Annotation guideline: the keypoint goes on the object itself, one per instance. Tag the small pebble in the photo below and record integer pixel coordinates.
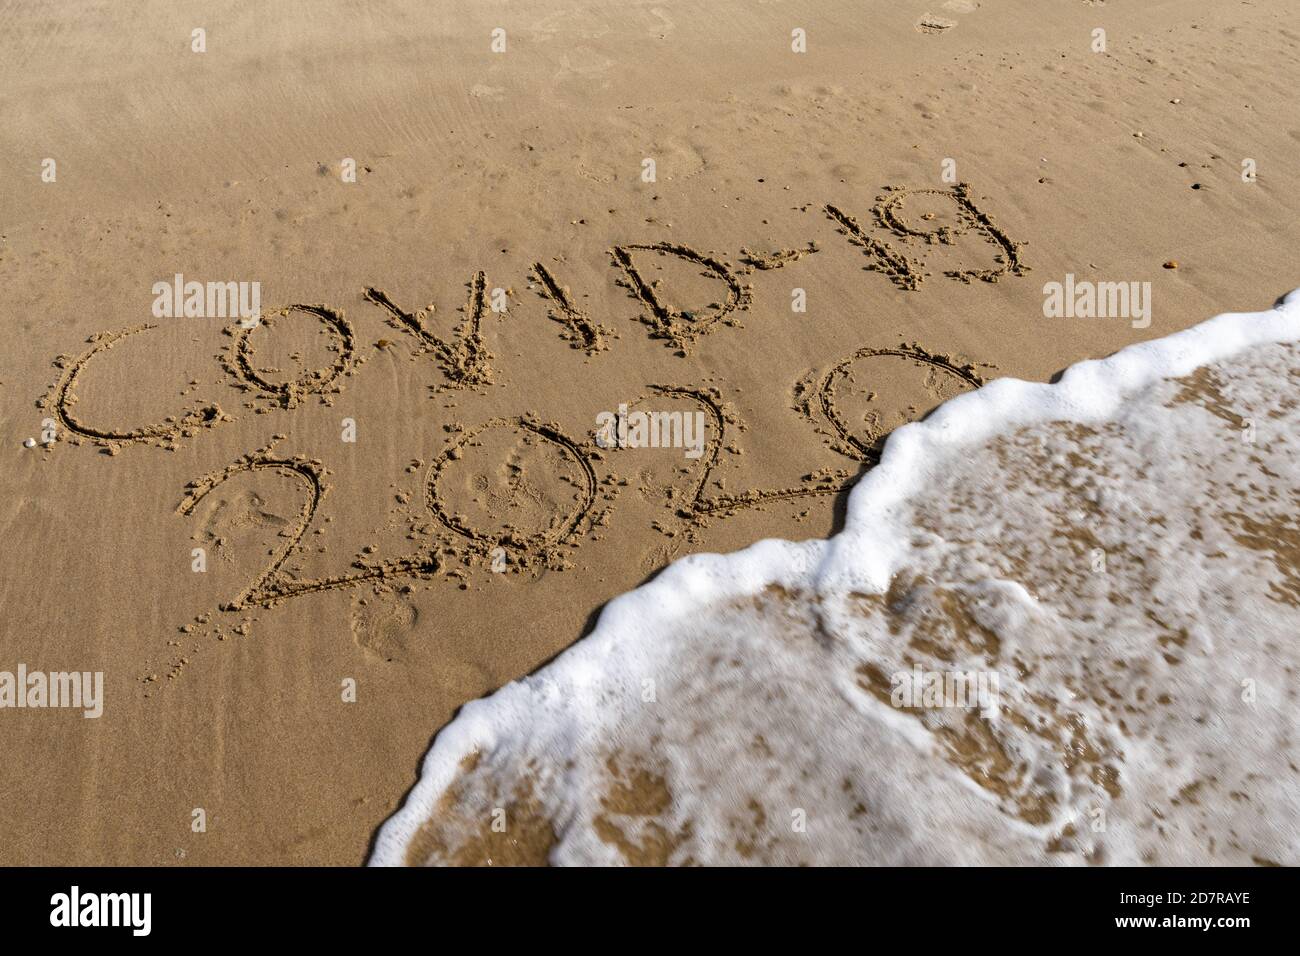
(1171, 264)
(30, 443)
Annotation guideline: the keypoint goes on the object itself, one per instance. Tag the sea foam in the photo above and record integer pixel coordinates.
(1116, 553)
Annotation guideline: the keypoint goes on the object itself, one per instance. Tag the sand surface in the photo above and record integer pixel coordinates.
(371, 561)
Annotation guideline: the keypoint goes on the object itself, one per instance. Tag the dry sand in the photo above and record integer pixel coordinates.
(371, 560)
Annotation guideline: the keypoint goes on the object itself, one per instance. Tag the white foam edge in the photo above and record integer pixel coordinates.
(861, 557)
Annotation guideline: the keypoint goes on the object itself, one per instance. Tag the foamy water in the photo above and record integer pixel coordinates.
(1113, 559)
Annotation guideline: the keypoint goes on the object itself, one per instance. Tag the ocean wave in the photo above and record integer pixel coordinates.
(1057, 628)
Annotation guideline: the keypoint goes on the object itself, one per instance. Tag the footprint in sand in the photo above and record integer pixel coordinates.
(233, 515)
(382, 626)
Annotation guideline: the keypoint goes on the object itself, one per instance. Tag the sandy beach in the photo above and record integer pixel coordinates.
(356, 357)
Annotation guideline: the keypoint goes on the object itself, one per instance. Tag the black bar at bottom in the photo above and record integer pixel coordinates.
(441, 906)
